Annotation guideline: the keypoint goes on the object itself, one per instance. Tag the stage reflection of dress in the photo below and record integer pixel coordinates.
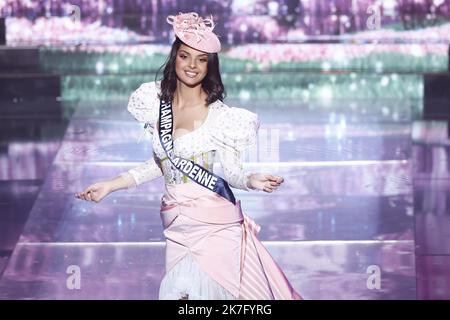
(211, 247)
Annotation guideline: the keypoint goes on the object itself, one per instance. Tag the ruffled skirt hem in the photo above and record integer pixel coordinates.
(186, 278)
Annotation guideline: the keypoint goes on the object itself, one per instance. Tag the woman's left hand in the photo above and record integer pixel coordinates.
(265, 182)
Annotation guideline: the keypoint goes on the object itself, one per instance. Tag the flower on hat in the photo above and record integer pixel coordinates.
(191, 23)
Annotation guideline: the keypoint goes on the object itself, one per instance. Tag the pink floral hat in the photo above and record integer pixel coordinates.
(195, 31)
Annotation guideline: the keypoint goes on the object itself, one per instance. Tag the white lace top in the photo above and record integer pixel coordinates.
(225, 133)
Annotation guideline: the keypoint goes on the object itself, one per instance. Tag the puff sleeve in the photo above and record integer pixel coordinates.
(237, 130)
(143, 106)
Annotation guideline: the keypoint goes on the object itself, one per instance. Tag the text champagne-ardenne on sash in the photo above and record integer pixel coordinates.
(194, 171)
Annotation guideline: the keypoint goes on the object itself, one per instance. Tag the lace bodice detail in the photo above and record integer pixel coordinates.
(222, 137)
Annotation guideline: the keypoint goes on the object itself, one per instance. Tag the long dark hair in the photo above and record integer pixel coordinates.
(212, 83)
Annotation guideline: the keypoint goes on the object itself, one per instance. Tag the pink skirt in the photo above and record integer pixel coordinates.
(212, 250)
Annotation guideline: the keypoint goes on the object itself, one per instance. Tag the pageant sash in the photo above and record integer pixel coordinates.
(194, 171)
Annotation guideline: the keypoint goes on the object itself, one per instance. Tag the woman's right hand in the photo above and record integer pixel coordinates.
(95, 192)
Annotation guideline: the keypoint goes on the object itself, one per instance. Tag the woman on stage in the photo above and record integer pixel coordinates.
(212, 249)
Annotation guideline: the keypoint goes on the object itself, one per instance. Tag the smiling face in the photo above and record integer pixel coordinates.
(191, 65)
